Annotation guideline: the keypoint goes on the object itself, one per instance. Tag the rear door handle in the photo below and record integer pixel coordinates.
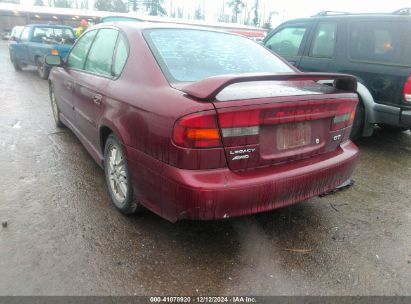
(97, 99)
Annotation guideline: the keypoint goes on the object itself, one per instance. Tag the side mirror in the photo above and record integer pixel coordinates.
(53, 60)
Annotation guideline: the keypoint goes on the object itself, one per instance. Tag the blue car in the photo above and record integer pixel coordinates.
(38, 40)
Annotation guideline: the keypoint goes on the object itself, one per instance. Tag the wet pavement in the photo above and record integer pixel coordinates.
(64, 237)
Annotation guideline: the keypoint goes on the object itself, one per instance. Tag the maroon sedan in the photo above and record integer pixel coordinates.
(200, 124)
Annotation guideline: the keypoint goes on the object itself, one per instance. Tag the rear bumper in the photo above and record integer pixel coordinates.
(405, 118)
(392, 115)
(220, 193)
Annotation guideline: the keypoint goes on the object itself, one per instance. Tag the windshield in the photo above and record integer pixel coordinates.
(53, 35)
(187, 55)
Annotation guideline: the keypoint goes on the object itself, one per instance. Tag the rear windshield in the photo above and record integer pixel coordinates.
(187, 55)
(381, 42)
(53, 35)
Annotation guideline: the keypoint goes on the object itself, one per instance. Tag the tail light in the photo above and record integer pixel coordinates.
(242, 127)
(199, 130)
(407, 90)
(344, 116)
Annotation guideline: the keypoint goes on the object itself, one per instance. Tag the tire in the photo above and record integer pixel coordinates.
(392, 129)
(42, 69)
(118, 178)
(16, 63)
(358, 124)
(55, 108)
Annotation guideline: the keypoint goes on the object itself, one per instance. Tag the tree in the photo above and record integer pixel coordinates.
(11, 1)
(198, 13)
(256, 18)
(111, 6)
(155, 7)
(103, 5)
(119, 6)
(267, 24)
(38, 3)
(236, 6)
(180, 12)
(62, 3)
(133, 4)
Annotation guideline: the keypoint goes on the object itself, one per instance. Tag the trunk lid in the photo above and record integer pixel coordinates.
(266, 122)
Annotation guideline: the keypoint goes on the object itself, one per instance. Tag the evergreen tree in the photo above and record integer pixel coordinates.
(62, 3)
(38, 3)
(103, 5)
(236, 6)
(111, 6)
(256, 17)
(133, 4)
(11, 1)
(155, 7)
(119, 6)
(198, 13)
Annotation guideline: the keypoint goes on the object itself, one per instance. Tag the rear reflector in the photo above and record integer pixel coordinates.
(244, 131)
(407, 90)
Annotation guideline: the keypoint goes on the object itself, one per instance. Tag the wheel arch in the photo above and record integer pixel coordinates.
(368, 102)
(106, 128)
(104, 133)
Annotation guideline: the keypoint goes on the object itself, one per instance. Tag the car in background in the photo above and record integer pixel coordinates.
(14, 36)
(201, 124)
(38, 40)
(5, 34)
(376, 48)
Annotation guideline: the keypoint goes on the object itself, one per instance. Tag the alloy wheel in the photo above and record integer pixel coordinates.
(117, 174)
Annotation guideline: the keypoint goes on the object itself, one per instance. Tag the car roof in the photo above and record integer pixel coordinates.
(382, 17)
(50, 25)
(140, 26)
(348, 16)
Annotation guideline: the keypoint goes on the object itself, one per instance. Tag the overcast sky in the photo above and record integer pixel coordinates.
(302, 8)
(288, 9)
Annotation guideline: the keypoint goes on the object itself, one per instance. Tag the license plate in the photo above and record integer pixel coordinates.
(293, 135)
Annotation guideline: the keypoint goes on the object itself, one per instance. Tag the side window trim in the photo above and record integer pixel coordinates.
(83, 70)
(307, 34)
(120, 34)
(72, 48)
(310, 43)
(28, 36)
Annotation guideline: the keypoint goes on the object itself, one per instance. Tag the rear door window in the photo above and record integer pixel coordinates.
(324, 40)
(381, 42)
(78, 54)
(120, 56)
(52, 35)
(25, 34)
(100, 57)
(287, 41)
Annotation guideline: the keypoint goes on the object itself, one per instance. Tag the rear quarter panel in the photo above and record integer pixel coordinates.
(141, 107)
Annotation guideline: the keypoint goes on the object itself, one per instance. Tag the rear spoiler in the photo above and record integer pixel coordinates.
(210, 87)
